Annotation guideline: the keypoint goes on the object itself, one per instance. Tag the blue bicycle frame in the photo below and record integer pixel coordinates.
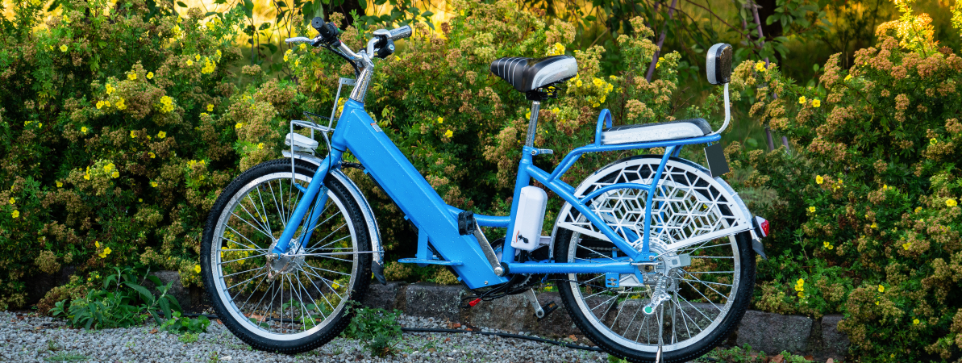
(437, 221)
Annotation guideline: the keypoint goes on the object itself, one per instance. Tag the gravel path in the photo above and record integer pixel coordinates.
(44, 339)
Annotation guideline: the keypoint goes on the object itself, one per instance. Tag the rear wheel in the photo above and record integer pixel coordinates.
(292, 307)
(703, 300)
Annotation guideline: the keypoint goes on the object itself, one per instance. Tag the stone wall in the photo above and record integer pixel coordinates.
(767, 332)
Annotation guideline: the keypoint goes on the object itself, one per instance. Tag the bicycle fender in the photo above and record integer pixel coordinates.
(369, 219)
(732, 197)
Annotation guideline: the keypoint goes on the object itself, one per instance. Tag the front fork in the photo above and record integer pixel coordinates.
(315, 189)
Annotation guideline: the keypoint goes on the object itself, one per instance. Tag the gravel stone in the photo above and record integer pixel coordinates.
(25, 338)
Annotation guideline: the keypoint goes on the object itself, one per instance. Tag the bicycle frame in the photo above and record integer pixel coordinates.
(437, 221)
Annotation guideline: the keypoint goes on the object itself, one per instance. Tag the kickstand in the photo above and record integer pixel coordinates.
(659, 357)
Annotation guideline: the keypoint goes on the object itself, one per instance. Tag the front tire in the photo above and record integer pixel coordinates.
(302, 306)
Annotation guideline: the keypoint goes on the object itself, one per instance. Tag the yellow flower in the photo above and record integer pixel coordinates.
(302, 46)
(153, 184)
(760, 66)
(906, 246)
(816, 103)
(286, 58)
(83, 129)
(238, 125)
(197, 57)
(802, 100)
(210, 107)
(848, 77)
(133, 135)
(578, 83)
(828, 245)
(97, 244)
(100, 104)
(448, 133)
(106, 103)
(161, 135)
(140, 200)
(59, 185)
(951, 203)
(440, 120)
(204, 114)
(811, 209)
(63, 48)
(874, 226)
(190, 62)
(150, 75)
(556, 49)
(260, 146)
(132, 76)
(15, 214)
(915, 321)
(918, 209)
(881, 288)
(108, 167)
(658, 63)
(819, 179)
(66, 19)
(555, 110)
(335, 285)
(110, 89)
(152, 155)
(197, 268)
(86, 176)
(933, 141)
(105, 252)
(115, 175)
(12, 201)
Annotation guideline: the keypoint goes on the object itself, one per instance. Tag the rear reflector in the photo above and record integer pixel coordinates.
(762, 224)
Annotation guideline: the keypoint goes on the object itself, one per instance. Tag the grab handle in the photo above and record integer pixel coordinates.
(604, 119)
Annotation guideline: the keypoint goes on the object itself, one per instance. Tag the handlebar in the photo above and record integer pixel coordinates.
(381, 46)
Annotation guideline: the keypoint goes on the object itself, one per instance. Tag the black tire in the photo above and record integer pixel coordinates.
(728, 324)
(258, 330)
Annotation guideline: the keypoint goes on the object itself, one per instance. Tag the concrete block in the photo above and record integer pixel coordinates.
(773, 333)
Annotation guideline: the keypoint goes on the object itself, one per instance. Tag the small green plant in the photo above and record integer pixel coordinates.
(188, 337)
(180, 325)
(376, 328)
(122, 302)
(66, 357)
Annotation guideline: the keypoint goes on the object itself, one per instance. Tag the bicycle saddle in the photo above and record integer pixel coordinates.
(670, 130)
(528, 74)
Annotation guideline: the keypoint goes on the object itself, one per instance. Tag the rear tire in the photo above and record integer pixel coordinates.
(706, 299)
(303, 307)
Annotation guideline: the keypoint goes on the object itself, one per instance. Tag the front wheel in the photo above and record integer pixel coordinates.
(699, 302)
(292, 307)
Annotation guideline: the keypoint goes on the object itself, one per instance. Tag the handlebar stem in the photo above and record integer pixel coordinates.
(364, 79)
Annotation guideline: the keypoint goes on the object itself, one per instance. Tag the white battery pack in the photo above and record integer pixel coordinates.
(530, 218)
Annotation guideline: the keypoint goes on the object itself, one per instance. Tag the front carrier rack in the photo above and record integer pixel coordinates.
(303, 145)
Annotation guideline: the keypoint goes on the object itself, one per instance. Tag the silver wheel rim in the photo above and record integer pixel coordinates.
(618, 314)
(307, 296)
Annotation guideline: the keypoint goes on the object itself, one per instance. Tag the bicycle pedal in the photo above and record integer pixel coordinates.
(548, 308)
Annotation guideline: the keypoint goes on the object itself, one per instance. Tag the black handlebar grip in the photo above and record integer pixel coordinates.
(317, 23)
(399, 33)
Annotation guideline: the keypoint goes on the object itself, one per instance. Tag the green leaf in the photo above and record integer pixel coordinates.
(144, 293)
(165, 307)
(181, 4)
(174, 302)
(265, 25)
(362, 3)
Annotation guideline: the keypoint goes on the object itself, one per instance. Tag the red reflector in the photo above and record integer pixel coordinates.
(474, 302)
(765, 227)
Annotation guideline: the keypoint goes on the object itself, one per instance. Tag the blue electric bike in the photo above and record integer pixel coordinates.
(653, 256)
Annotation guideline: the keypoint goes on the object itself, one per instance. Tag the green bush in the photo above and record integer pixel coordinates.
(377, 329)
(865, 209)
(121, 123)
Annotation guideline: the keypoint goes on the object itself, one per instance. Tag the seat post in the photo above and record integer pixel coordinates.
(533, 124)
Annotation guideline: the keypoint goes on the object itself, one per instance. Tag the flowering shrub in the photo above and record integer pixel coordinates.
(118, 131)
(866, 210)
(121, 123)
